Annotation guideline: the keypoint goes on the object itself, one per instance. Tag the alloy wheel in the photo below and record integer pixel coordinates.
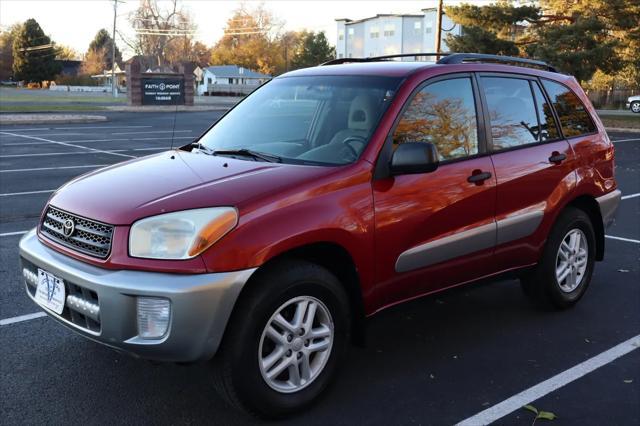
(571, 260)
(295, 344)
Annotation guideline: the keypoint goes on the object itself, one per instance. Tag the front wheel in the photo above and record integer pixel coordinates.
(564, 272)
(284, 341)
(635, 106)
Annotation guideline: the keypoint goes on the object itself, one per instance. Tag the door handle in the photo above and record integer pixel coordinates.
(478, 177)
(557, 158)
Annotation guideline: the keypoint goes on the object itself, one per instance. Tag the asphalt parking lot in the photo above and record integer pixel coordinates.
(438, 360)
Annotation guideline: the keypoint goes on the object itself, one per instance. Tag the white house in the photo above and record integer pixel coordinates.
(228, 75)
(389, 34)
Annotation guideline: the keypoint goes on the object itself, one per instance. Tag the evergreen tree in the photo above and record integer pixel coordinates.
(34, 54)
(314, 49)
(102, 45)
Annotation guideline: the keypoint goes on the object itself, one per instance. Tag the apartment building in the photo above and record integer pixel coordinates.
(389, 34)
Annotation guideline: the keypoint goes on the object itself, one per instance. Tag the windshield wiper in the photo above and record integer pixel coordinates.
(203, 148)
(244, 152)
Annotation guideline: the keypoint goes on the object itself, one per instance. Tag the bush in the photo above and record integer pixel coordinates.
(77, 80)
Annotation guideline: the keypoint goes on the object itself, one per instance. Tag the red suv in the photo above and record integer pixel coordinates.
(327, 195)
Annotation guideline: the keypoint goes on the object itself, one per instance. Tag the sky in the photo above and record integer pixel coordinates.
(74, 23)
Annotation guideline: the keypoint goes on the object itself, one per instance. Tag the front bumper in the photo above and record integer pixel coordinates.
(201, 304)
(609, 206)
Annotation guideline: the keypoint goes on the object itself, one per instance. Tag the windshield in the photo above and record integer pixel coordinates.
(325, 120)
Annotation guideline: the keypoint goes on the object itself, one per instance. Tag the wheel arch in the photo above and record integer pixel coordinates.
(589, 205)
(339, 262)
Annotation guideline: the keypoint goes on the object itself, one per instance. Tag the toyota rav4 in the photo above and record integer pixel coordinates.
(327, 195)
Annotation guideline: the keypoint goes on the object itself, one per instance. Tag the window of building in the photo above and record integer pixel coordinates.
(341, 35)
(428, 28)
(209, 80)
(444, 114)
(340, 56)
(350, 32)
(389, 30)
(512, 112)
(573, 116)
(417, 27)
(374, 32)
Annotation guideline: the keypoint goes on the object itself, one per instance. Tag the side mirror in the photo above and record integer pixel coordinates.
(414, 157)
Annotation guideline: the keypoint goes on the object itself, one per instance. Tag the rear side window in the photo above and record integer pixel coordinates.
(548, 128)
(573, 116)
(444, 114)
(512, 112)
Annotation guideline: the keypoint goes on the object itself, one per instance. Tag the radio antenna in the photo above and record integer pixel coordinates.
(173, 130)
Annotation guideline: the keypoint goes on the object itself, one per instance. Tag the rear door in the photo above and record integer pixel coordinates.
(436, 229)
(534, 165)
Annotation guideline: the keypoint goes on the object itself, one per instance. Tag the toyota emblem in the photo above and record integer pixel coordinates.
(68, 227)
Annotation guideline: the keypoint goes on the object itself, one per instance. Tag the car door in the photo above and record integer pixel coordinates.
(437, 229)
(534, 165)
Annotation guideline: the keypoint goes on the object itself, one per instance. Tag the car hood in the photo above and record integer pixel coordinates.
(174, 180)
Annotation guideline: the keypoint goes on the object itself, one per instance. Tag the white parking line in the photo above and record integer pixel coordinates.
(111, 151)
(10, 194)
(626, 197)
(624, 140)
(10, 234)
(102, 140)
(40, 169)
(628, 240)
(78, 127)
(153, 131)
(67, 144)
(525, 397)
(21, 318)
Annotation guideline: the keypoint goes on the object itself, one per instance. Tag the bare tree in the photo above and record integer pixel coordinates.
(162, 33)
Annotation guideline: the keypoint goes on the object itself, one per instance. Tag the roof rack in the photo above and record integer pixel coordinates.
(381, 58)
(460, 58)
(451, 58)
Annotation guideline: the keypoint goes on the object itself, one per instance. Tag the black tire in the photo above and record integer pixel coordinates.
(635, 104)
(236, 371)
(541, 284)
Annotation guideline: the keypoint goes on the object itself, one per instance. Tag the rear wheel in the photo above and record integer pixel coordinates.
(635, 106)
(284, 341)
(564, 272)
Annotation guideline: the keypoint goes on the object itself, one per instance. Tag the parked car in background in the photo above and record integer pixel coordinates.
(633, 103)
(326, 196)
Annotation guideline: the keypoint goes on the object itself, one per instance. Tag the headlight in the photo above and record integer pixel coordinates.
(180, 235)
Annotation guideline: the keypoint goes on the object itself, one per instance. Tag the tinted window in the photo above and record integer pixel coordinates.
(444, 114)
(548, 128)
(573, 116)
(511, 110)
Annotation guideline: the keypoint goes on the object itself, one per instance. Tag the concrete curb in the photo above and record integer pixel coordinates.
(622, 129)
(49, 118)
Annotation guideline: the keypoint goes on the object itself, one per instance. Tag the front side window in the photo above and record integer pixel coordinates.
(442, 113)
(573, 116)
(306, 120)
(512, 112)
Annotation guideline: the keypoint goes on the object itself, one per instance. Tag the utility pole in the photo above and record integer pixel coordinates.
(439, 28)
(114, 88)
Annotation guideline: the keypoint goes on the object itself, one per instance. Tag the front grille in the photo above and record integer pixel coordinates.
(89, 237)
(82, 306)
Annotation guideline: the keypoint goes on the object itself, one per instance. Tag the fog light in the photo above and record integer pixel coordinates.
(153, 317)
(30, 277)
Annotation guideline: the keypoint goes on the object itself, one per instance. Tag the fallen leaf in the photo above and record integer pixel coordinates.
(531, 408)
(546, 415)
(623, 270)
(628, 381)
